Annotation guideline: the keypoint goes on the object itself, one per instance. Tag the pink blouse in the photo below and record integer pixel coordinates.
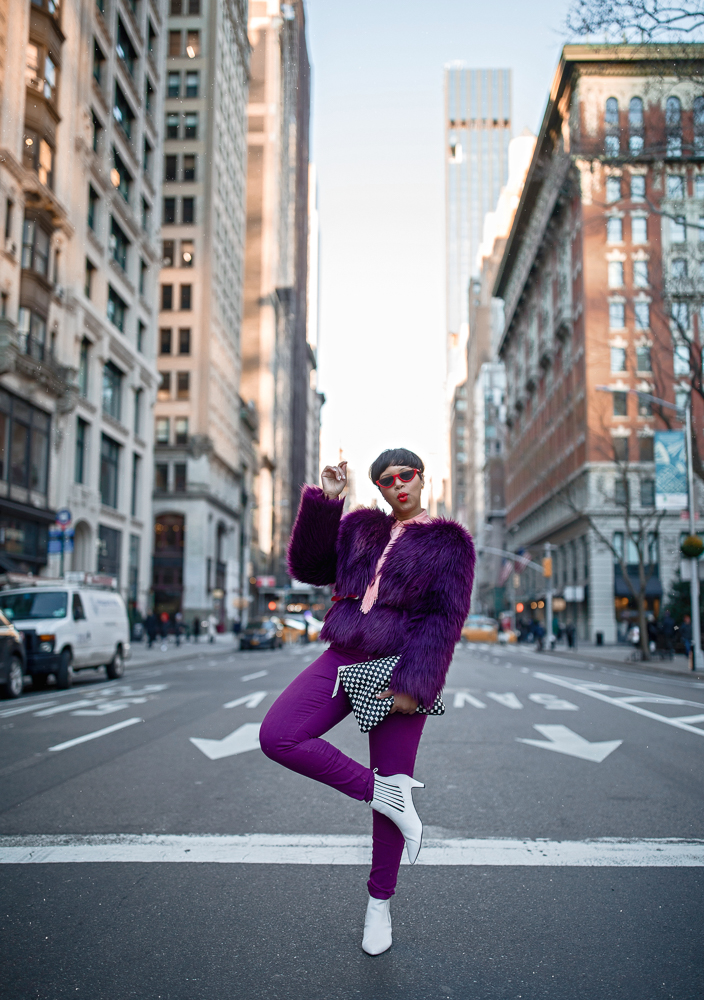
(372, 593)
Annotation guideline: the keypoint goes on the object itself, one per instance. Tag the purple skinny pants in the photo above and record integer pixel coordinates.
(290, 735)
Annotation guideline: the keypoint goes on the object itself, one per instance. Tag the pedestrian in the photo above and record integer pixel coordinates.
(686, 634)
(667, 625)
(196, 628)
(152, 627)
(403, 587)
(164, 629)
(570, 632)
(178, 621)
(212, 622)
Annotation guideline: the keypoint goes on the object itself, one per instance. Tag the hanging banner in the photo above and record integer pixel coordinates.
(670, 470)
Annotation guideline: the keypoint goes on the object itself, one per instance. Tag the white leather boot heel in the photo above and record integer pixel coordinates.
(377, 926)
(393, 797)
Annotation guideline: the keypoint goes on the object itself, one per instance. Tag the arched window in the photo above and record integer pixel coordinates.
(635, 126)
(612, 141)
(673, 123)
(698, 108)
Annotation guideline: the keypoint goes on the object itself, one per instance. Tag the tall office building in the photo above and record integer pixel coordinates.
(204, 450)
(278, 361)
(477, 134)
(79, 185)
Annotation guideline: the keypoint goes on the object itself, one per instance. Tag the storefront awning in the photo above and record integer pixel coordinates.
(653, 587)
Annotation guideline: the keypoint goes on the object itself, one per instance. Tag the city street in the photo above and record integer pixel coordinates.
(563, 852)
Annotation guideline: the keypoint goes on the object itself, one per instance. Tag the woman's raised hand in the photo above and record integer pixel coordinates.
(334, 479)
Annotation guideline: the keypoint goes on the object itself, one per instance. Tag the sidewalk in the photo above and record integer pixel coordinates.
(142, 655)
(618, 655)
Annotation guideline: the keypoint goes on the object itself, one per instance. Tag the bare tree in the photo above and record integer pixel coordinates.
(637, 20)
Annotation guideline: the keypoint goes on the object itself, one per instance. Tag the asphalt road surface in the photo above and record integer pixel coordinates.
(150, 850)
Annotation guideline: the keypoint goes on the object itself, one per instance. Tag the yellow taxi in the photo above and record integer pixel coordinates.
(479, 628)
(294, 628)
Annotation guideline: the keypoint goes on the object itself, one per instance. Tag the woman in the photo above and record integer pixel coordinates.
(403, 585)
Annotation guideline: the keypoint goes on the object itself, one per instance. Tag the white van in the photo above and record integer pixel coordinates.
(69, 627)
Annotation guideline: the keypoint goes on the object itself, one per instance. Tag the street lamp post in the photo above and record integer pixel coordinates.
(547, 575)
(694, 575)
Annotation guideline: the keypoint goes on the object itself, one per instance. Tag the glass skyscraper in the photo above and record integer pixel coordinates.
(477, 134)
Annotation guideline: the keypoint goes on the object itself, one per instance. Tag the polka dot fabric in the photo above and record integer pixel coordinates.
(363, 681)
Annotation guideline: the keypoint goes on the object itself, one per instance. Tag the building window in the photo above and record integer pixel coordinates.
(641, 311)
(119, 244)
(170, 167)
(698, 109)
(635, 126)
(192, 83)
(35, 248)
(680, 314)
(97, 128)
(180, 477)
(188, 211)
(192, 44)
(161, 477)
(167, 297)
(167, 253)
(143, 273)
(680, 359)
(112, 390)
(621, 492)
(646, 451)
(184, 341)
(678, 269)
(638, 187)
(675, 186)
(148, 96)
(162, 430)
(31, 330)
(620, 445)
(92, 208)
(24, 435)
(173, 87)
(164, 390)
(137, 422)
(183, 385)
(678, 230)
(643, 363)
(191, 125)
(38, 156)
(615, 274)
(611, 140)
(647, 492)
(165, 341)
(151, 38)
(187, 252)
(185, 297)
(181, 430)
(122, 111)
(109, 546)
(83, 367)
(125, 48)
(169, 217)
(174, 43)
(618, 359)
(133, 576)
(80, 459)
(141, 328)
(620, 401)
(640, 273)
(88, 287)
(614, 230)
(617, 315)
(613, 189)
(9, 212)
(612, 145)
(194, 8)
(117, 309)
(136, 461)
(98, 63)
(173, 121)
(673, 124)
(639, 229)
(189, 167)
(146, 214)
(109, 470)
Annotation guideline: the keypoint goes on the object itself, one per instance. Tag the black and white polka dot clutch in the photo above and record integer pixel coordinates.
(363, 681)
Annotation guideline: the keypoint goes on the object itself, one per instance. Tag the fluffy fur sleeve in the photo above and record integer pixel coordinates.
(433, 632)
(312, 554)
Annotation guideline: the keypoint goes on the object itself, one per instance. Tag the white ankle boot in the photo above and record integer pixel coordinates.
(393, 797)
(377, 926)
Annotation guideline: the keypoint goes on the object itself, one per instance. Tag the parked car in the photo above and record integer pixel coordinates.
(12, 659)
(263, 633)
(68, 628)
(479, 628)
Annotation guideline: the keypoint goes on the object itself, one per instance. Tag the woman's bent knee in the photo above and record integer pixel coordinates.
(274, 741)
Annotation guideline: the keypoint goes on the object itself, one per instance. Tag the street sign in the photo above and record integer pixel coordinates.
(670, 470)
(63, 516)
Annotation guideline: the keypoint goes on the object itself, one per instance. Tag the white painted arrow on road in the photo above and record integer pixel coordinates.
(563, 740)
(250, 700)
(243, 739)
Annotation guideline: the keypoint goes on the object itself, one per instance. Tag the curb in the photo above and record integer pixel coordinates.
(634, 666)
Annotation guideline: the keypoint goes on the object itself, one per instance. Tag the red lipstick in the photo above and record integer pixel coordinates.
(402, 497)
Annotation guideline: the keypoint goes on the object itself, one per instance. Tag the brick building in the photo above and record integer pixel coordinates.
(604, 249)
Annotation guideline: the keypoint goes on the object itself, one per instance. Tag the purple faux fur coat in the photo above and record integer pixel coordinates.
(424, 592)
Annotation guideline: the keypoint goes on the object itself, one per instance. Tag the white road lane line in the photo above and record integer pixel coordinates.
(253, 677)
(589, 689)
(96, 735)
(45, 712)
(24, 708)
(463, 698)
(273, 849)
(509, 700)
(250, 700)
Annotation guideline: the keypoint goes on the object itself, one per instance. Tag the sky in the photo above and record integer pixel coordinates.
(377, 142)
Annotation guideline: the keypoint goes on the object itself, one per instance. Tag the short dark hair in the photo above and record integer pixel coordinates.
(395, 456)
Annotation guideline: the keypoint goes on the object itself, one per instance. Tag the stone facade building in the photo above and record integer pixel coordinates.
(608, 218)
(204, 432)
(81, 96)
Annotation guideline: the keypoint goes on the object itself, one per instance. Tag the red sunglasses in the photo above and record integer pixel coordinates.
(407, 476)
